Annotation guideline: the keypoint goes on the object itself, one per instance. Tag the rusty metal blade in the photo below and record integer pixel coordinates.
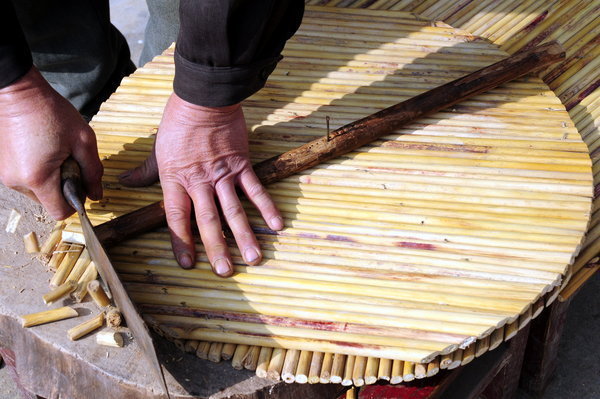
(138, 328)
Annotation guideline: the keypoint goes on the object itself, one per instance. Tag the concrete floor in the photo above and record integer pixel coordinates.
(578, 372)
(130, 17)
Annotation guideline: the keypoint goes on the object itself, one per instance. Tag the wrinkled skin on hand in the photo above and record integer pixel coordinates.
(202, 156)
(39, 129)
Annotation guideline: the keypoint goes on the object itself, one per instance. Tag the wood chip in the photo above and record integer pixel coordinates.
(13, 221)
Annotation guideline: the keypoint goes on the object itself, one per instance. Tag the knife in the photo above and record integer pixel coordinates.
(73, 193)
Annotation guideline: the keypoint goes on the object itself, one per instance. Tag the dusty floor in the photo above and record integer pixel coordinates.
(578, 372)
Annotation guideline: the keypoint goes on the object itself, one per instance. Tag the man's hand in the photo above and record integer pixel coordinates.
(202, 155)
(39, 129)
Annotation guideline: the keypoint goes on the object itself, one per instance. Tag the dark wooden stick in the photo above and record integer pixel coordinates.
(129, 225)
(356, 134)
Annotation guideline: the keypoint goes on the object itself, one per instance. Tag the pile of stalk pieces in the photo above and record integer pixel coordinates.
(75, 276)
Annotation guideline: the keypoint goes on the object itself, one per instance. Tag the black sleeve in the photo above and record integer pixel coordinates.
(226, 49)
(15, 57)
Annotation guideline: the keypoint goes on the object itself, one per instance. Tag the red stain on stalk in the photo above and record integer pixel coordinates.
(415, 245)
(334, 237)
(536, 21)
(308, 235)
(478, 149)
(580, 96)
(355, 345)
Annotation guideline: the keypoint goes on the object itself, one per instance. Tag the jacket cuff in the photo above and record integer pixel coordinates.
(219, 86)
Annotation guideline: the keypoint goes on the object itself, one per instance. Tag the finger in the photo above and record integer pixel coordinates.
(51, 197)
(261, 199)
(211, 233)
(86, 155)
(144, 175)
(177, 208)
(238, 222)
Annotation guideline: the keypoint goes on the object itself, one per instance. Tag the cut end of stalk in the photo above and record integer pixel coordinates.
(110, 338)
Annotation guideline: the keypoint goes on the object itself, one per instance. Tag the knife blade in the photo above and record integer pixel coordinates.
(73, 193)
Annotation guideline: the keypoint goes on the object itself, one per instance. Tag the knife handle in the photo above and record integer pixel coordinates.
(70, 181)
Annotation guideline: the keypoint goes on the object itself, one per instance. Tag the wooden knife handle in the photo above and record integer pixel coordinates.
(72, 188)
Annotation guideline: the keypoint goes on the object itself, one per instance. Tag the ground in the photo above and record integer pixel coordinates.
(578, 372)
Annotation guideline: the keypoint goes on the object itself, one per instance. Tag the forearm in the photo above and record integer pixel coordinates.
(226, 50)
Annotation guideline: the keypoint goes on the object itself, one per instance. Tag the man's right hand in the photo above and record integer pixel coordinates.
(39, 129)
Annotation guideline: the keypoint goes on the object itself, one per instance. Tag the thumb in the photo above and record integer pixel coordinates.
(144, 175)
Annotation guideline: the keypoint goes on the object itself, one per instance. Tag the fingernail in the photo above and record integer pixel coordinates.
(250, 255)
(276, 223)
(222, 267)
(185, 261)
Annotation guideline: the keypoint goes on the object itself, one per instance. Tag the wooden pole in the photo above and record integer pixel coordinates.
(356, 134)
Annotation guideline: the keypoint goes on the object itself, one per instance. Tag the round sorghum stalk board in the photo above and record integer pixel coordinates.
(417, 252)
